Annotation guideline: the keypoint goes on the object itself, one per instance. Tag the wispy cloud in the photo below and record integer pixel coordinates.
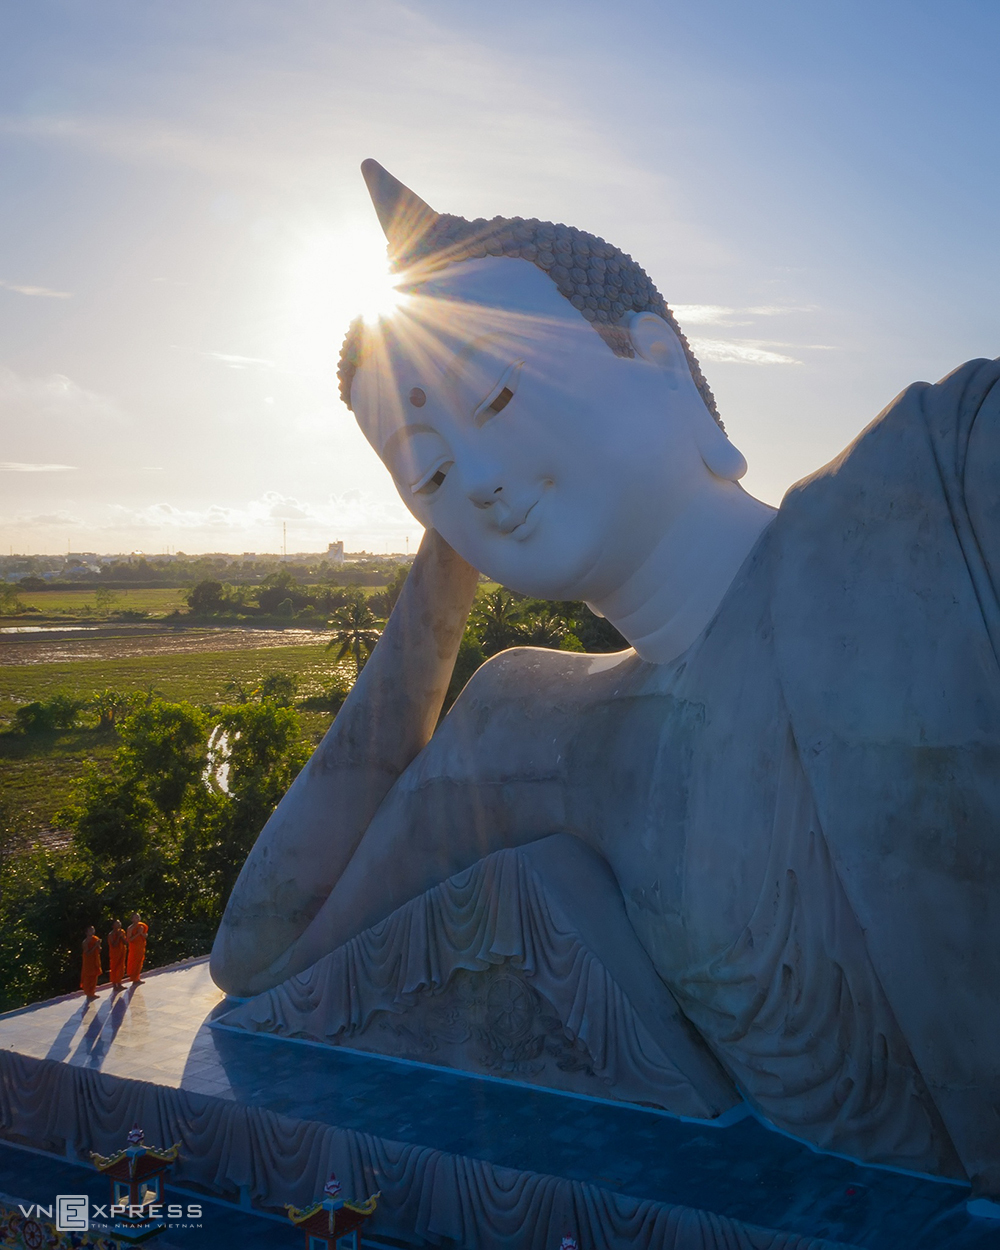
(239, 362)
(46, 520)
(729, 351)
(29, 398)
(43, 291)
(18, 466)
(722, 315)
(742, 351)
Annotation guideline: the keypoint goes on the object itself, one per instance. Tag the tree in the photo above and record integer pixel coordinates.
(356, 631)
(280, 688)
(166, 831)
(10, 599)
(163, 751)
(596, 633)
(105, 599)
(496, 621)
(544, 629)
(111, 706)
(281, 595)
(206, 598)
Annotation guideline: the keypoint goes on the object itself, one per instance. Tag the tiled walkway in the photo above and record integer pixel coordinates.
(160, 1032)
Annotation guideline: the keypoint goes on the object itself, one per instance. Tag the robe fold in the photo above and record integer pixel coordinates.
(91, 965)
(117, 955)
(136, 934)
(886, 610)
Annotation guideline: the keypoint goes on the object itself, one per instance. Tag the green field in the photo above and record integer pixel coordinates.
(82, 602)
(38, 770)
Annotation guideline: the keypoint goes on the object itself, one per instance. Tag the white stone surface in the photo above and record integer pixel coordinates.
(794, 778)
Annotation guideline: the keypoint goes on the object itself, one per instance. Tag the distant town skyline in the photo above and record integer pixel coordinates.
(184, 233)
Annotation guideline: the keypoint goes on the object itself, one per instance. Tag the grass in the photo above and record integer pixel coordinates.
(158, 601)
(39, 770)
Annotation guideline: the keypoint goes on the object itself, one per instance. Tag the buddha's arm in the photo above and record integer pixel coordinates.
(498, 773)
(387, 719)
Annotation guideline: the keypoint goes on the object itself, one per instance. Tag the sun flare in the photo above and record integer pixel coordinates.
(334, 276)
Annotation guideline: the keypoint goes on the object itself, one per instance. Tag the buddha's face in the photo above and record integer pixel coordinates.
(509, 426)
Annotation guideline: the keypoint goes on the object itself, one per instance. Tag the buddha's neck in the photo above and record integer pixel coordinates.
(667, 602)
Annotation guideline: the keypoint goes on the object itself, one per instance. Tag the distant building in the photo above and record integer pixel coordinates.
(335, 553)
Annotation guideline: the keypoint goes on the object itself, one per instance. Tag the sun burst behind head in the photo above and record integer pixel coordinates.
(332, 277)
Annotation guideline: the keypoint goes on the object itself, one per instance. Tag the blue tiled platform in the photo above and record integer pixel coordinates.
(162, 1032)
(29, 1177)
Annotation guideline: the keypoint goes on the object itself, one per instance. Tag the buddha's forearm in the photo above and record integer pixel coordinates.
(386, 720)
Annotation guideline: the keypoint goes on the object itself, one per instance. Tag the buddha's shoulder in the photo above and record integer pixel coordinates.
(543, 676)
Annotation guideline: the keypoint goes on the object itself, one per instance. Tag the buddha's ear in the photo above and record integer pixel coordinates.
(656, 341)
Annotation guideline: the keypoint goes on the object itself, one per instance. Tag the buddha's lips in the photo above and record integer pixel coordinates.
(525, 526)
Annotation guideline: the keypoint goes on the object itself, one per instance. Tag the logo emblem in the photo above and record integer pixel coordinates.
(72, 1213)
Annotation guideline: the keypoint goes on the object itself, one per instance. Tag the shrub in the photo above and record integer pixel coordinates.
(45, 716)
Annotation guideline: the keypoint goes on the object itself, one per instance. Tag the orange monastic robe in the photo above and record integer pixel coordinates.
(91, 965)
(136, 934)
(117, 954)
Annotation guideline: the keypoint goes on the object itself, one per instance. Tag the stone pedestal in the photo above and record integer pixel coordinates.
(459, 1160)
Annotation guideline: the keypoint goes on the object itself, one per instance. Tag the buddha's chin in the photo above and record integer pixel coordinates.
(539, 572)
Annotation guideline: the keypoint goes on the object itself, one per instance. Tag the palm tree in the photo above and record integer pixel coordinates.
(495, 619)
(355, 624)
(112, 706)
(545, 630)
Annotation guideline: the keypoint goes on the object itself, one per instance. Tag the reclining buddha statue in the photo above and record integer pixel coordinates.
(765, 839)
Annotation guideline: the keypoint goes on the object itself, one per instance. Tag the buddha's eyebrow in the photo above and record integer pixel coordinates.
(463, 357)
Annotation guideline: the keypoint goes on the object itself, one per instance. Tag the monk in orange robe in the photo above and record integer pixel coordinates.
(91, 963)
(136, 934)
(117, 955)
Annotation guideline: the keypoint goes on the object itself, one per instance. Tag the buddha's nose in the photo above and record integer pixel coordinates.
(486, 490)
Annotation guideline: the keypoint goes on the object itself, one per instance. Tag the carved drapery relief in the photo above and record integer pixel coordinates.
(795, 1010)
(484, 973)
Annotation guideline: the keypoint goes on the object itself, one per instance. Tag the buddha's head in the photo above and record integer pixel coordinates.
(532, 396)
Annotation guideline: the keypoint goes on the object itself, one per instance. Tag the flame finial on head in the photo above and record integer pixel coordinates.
(403, 216)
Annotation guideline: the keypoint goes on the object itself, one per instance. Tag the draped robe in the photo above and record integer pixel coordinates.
(136, 934)
(845, 964)
(802, 812)
(886, 609)
(117, 955)
(91, 969)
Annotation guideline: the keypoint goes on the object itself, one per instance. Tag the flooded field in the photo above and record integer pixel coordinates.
(61, 645)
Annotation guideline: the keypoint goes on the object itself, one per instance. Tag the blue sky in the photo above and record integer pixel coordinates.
(184, 232)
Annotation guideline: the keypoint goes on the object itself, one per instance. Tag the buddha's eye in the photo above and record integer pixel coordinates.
(431, 481)
(502, 400)
(500, 396)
